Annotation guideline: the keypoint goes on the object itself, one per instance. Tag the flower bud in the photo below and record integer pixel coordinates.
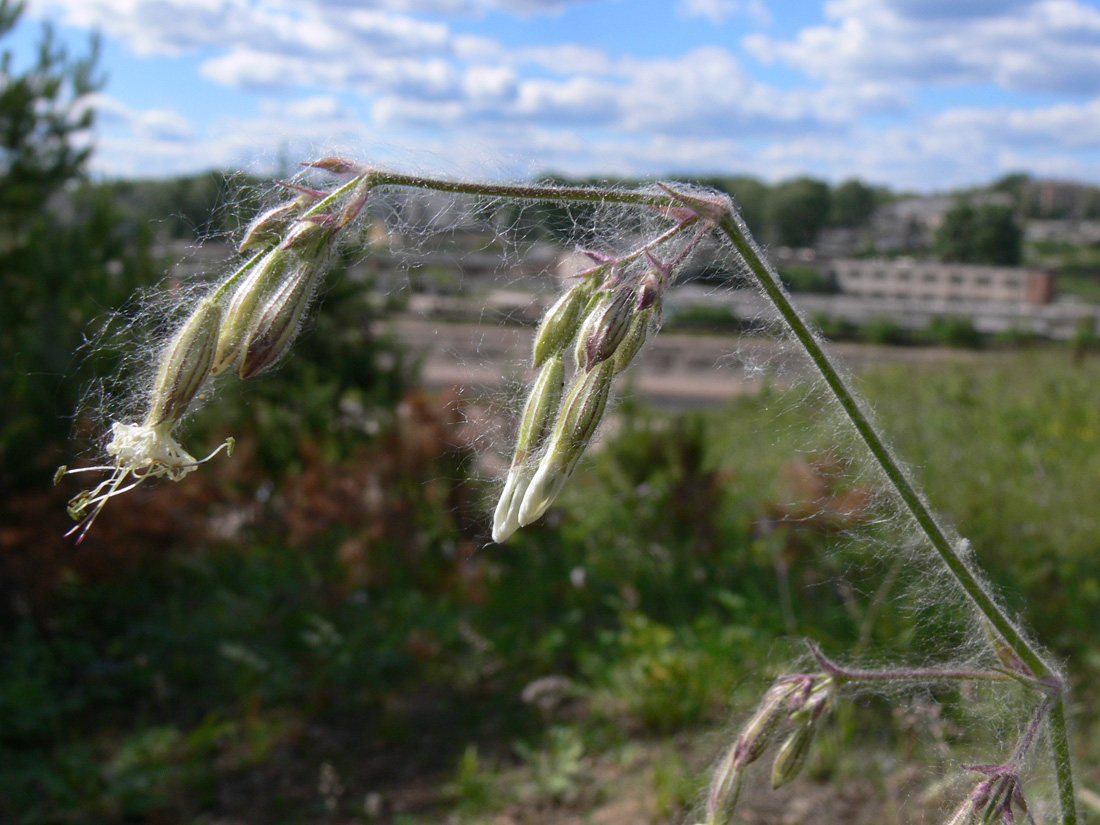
(990, 802)
(238, 316)
(580, 417)
(966, 814)
(337, 166)
(649, 290)
(559, 324)
(589, 316)
(184, 364)
(634, 340)
(538, 412)
(310, 229)
(506, 514)
(725, 788)
(609, 327)
(758, 731)
(355, 203)
(792, 754)
(816, 702)
(266, 228)
(538, 417)
(277, 322)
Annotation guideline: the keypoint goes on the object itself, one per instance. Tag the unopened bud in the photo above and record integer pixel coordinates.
(792, 754)
(634, 340)
(589, 315)
(310, 229)
(185, 364)
(991, 802)
(506, 515)
(267, 227)
(559, 324)
(609, 328)
(966, 814)
(711, 206)
(337, 166)
(580, 417)
(818, 701)
(355, 202)
(538, 412)
(758, 731)
(725, 788)
(237, 319)
(649, 291)
(277, 322)
(535, 424)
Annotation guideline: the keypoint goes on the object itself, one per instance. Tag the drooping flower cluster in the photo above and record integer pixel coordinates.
(993, 801)
(794, 706)
(601, 324)
(246, 321)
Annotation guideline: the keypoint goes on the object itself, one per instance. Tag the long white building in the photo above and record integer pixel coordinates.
(934, 281)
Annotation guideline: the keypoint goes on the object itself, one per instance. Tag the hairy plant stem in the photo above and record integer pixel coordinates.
(918, 675)
(729, 224)
(918, 508)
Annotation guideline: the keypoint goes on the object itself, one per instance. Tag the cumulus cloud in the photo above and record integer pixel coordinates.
(153, 124)
(367, 77)
(1040, 46)
(1064, 126)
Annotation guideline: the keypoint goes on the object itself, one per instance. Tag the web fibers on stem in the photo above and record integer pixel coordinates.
(637, 242)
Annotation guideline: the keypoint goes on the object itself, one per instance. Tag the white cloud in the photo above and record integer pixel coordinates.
(1041, 46)
(956, 147)
(367, 78)
(1064, 126)
(419, 72)
(162, 27)
(155, 124)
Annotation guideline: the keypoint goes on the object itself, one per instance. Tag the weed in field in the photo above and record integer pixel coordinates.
(598, 327)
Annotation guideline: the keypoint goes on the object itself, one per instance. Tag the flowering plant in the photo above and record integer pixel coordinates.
(589, 336)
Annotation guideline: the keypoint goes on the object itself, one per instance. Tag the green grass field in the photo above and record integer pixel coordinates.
(356, 653)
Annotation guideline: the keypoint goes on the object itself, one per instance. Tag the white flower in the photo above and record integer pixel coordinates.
(138, 452)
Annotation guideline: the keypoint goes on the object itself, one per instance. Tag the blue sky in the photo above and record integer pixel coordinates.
(915, 94)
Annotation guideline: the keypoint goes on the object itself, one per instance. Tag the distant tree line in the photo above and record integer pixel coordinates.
(794, 212)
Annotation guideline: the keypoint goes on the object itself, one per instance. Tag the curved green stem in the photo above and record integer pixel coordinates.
(729, 224)
(915, 504)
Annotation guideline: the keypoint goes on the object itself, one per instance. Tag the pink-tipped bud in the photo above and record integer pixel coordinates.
(267, 227)
(813, 704)
(310, 229)
(711, 206)
(559, 324)
(589, 315)
(338, 166)
(184, 364)
(649, 291)
(759, 730)
(358, 199)
(277, 322)
(609, 328)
